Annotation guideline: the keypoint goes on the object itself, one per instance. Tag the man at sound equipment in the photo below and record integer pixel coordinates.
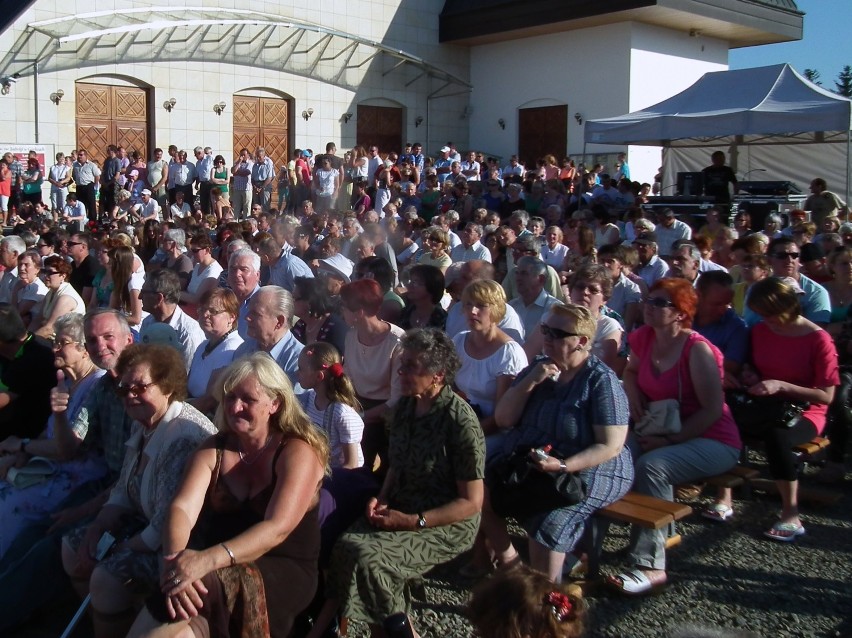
(717, 176)
(823, 202)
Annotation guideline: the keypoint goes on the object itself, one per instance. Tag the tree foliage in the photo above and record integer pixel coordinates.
(812, 75)
(844, 82)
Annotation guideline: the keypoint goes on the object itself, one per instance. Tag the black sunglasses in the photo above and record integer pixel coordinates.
(659, 302)
(550, 332)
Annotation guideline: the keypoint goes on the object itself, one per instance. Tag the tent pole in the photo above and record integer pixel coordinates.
(848, 171)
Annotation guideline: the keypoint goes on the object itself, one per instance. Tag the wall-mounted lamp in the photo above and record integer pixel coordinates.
(170, 104)
(6, 83)
(347, 117)
(306, 114)
(418, 121)
(218, 108)
(501, 123)
(694, 33)
(57, 96)
(579, 118)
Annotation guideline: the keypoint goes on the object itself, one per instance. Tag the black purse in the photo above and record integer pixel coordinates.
(519, 490)
(755, 416)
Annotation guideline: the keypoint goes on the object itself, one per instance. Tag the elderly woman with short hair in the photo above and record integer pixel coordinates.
(205, 273)
(165, 432)
(60, 299)
(427, 511)
(174, 245)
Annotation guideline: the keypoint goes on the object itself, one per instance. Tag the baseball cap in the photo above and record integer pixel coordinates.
(445, 149)
(337, 265)
(146, 192)
(646, 237)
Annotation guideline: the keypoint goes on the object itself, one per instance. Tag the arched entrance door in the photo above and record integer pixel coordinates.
(262, 121)
(542, 131)
(108, 114)
(380, 126)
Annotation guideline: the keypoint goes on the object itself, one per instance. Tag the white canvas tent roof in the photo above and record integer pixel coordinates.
(771, 105)
(746, 106)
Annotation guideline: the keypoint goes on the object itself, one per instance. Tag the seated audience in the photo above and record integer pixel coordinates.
(256, 485)
(60, 298)
(784, 336)
(319, 315)
(165, 433)
(570, 400)
(668, 360)
(425, 290)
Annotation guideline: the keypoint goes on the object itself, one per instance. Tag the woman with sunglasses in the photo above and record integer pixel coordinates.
(205, 273)
(60, 299)
(569, 400)
(164, 434)
(669, 360)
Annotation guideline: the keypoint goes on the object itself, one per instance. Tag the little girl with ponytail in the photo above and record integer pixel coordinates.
(331, 404)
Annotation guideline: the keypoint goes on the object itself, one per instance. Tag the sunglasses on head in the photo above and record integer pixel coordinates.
(550, 332)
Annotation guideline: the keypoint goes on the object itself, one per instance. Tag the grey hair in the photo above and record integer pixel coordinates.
(166, 283)
(775, 217)
(177, 236)
(523, 216)
(71, 325)
(282, 300)
(475, 228)
(694, 253)
(123, 326)
(528, 243)
(14, 244)
(245, 252)
(452, 216)
(435, 351)
(536, 265)
(197, 149)
(644, 224)
(237, 244)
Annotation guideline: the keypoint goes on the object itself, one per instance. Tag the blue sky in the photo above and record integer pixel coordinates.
(826, 44)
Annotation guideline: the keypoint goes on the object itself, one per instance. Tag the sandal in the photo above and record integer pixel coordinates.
(785, 532)
(689, 491)
(718, 512)
(637, 583)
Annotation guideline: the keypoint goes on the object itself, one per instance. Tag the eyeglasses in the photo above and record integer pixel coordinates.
(785, 255)
(211, 311)
(550, 332)
(136, 389)
(197, 250)
(592, 289)
(42, 245)
(58, 345)
(49, 273)
(658, 302)
(73, 243)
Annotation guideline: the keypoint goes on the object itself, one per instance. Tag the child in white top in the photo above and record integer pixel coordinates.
(330, 402)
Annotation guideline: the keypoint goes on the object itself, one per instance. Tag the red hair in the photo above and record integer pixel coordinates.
(363, 294)
(682, 294)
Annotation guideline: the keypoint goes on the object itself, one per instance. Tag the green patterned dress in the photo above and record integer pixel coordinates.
(370, 567)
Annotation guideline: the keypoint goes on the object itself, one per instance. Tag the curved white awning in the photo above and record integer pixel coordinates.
(231, 36)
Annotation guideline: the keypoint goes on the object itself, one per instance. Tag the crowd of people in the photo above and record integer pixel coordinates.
(266, 407)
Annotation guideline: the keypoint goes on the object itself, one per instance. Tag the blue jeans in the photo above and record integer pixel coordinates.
(31, 573)
(657, 472)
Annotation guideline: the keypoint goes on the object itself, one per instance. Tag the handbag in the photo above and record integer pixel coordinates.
(755, 415)
(662, 417)
(519, 490)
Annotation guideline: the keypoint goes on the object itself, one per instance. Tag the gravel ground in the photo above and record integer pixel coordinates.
(721, 575)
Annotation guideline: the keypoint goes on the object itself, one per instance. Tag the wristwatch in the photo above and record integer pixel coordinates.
(421, 521)
(562, 467)
(24, 444)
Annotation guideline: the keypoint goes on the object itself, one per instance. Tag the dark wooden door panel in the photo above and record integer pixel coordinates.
(542, 131)
(111, 115)
(380, 126)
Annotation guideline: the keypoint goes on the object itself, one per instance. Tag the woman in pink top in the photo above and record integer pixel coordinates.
(668, 360)
(791, 358)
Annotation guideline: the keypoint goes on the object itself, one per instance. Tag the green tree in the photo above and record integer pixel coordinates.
(844, 82)
(813, 76)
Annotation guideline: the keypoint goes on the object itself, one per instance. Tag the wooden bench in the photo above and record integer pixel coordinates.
(635, 509)
(812, 447)
(735, 477)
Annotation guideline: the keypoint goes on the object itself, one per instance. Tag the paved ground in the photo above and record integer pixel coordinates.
(722, 575)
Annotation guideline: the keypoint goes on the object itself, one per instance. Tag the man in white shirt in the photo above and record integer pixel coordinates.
(532, 300)
(470, 167)
(514, 172)
(160, 295)
(158, 177)
(148, 207)
(10, 248)
(203, 165)
(651, 267)
(470, 247)
(74, 212)
(669, 229)
(443, 164)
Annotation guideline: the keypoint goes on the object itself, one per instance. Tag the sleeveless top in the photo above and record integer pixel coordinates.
(229, 516)
(222, 175)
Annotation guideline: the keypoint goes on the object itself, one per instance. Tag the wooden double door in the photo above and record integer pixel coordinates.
(112, 115)
(380, 126)
(262, 121)
(542, 131)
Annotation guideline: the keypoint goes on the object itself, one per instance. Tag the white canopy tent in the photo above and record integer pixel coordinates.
(774, 124)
